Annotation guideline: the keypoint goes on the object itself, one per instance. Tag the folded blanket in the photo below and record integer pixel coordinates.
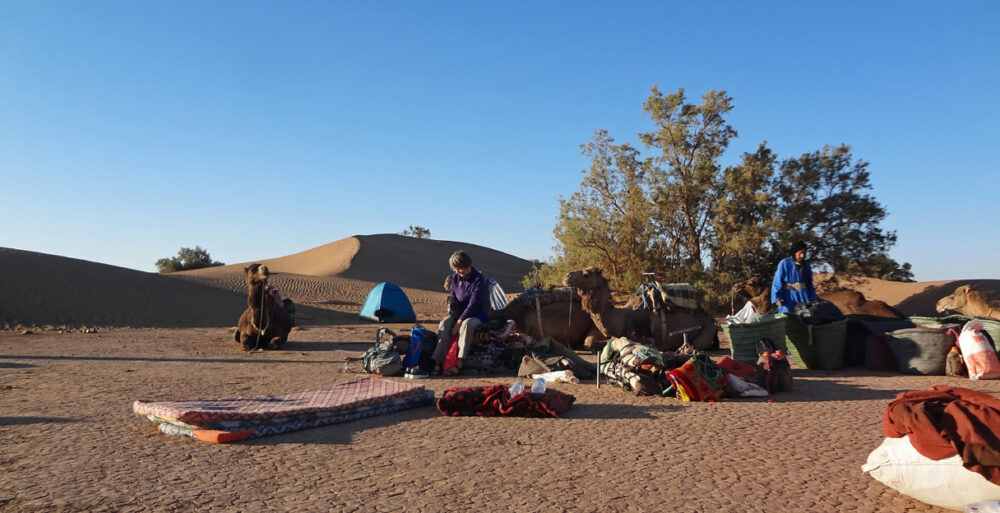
(943, 421)
(496, 400)
(336, 397)
(228, 420)
(233, 431)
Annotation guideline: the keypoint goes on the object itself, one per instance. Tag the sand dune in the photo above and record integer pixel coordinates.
(916, 298)
(329, 283)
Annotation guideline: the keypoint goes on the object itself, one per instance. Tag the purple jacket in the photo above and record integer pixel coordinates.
(470, 295)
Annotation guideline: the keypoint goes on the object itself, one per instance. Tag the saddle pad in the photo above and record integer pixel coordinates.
(334, 398)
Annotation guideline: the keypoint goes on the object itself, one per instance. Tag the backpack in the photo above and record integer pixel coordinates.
(383, 358)
(773, 368)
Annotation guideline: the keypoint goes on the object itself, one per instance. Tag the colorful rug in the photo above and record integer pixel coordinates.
(234, 419)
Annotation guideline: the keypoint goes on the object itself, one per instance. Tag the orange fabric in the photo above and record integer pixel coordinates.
(943, 421)
(221, 437)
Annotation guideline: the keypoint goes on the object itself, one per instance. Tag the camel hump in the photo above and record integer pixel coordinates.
(547, 297)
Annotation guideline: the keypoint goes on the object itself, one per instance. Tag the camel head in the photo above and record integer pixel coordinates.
(957, 300)
(588, 279)
(256, 274)
(750, 288)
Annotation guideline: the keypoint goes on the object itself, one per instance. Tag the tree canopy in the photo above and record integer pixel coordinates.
(676, 212)
(186, 260)
(417, 231)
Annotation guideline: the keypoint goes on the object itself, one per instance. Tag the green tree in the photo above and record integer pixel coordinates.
(186, 260)
(689, 140)
(417, 231)
(822, 198)
(676, 213)
(610, 221)
(744, 222)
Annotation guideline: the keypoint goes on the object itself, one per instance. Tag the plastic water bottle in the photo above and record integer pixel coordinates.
(516, 388)
(538, 386)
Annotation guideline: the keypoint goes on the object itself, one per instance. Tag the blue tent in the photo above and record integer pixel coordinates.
(388, 303)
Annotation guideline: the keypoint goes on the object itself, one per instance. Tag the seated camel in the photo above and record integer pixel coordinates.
(968, 301)
(555, 313)
(850, 302)
(264, 324)
(660, 328)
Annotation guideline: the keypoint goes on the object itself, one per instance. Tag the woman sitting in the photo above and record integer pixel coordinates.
(468, 294)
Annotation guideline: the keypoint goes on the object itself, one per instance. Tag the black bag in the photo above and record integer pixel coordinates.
(818, 311)
(773, 368)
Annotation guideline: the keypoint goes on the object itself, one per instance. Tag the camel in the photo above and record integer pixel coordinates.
(638, 324)
(757, 291)
(265, 323)
(968, 301)
(560, 313)
(850, 302)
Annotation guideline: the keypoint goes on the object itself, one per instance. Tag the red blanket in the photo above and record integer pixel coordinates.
(496, 400)
(943, 421)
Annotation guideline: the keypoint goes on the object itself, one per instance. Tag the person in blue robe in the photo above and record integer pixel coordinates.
(793, 281)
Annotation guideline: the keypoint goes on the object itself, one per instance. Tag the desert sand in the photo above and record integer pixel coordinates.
(70, 442)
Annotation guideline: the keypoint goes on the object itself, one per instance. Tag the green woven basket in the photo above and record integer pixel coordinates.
(990, 326)
(818, 346)
(743, 337)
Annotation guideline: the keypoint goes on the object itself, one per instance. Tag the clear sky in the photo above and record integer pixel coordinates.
(259, 129)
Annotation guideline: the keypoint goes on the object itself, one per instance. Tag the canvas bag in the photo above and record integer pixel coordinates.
(383, 358)
(980, 360)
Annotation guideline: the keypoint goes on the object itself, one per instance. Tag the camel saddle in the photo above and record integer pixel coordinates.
(682, 295)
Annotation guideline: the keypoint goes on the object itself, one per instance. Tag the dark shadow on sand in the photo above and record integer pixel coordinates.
(12, 365)
(611, 411)
(144, 359)
(343, 433)
(24, 421)
(818, 386)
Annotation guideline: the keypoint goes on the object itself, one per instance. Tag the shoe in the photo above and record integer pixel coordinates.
(416, 373)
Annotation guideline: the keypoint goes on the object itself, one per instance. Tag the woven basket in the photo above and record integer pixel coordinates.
(921, 350)
(990, 326)
(743, 337)
(816, 346)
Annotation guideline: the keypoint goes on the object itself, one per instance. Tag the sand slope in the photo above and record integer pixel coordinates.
(916, 298)
(329, 283)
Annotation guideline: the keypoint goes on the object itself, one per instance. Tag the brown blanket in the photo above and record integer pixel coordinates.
(943, 421)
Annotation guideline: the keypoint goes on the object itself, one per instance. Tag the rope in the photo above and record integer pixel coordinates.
(260, 331)
(569, 320)
(538, 315)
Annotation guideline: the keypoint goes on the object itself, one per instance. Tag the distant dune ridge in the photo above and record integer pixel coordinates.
(328, 283)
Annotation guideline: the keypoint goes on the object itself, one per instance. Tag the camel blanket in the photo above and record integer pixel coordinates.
(495, 400)
(943, 421)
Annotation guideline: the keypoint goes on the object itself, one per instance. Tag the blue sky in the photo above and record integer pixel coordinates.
(261, 129)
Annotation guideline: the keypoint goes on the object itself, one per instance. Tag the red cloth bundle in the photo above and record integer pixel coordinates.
(495, 400)
(943, 421)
